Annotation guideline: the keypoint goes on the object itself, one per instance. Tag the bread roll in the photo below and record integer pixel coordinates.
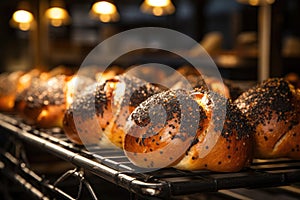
(293, 78)
(80, 118)
(188, 76)
(98, 116)
(8, 90)
(12, 85)
(44, 103)
(29, 83)
(33, 78)
(273, 108)
(187, 133)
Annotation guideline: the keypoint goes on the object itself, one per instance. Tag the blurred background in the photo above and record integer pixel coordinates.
(230, 30)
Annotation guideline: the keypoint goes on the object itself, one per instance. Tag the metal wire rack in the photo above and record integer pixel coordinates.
(112, 165)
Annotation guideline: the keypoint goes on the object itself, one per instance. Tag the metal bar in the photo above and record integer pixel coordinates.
(295, 190)
(75, 172)
(22, 166)
(264, 42)
(163, 183)
(28, 187)
(98, 169)
(234, 195)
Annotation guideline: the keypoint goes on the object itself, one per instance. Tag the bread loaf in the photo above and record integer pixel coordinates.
(45, 101)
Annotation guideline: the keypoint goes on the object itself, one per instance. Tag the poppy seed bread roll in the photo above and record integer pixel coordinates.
(189, 134)
(273, 108)
(45, 101)
(223, 147)
(99, 116)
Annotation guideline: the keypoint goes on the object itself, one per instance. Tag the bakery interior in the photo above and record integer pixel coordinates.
(250, 41)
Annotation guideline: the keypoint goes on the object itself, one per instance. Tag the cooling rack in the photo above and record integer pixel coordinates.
(113, 166)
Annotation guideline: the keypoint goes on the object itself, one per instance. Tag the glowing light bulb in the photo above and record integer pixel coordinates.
(56, 22)
(57, 16)
(56, 13)
(22, 16)
(105, 11)
(24, 26)
(157, 11)
(253, 2)
(105, 18)
(158, 7)
(104, 7)
(256, 2)
(158, 3)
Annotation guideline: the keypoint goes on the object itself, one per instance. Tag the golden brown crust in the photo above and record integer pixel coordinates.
(274, 110)
(28, 84)
(16, 84)
(88, 135)
(210, 146)
(26, 79)
(110, 103)
(45, 102)
(152, 133)
(232, 150)
(75, 86)
(44, 117)
(8, 90)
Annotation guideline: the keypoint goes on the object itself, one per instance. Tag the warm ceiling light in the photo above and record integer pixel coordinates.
(158, 3)
(105, 11)
(256, 2)
(22, 18)
(57, 14)
(24, 26)
(158, 7)
(104, 7)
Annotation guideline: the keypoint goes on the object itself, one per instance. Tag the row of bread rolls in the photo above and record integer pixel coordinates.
(13, 84)
(115, 111)
(267, 114)
(194, 136)
(103, 111)
(41, 98)
(266, 117)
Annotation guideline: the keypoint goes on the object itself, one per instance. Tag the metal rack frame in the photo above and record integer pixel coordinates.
(114, 167)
